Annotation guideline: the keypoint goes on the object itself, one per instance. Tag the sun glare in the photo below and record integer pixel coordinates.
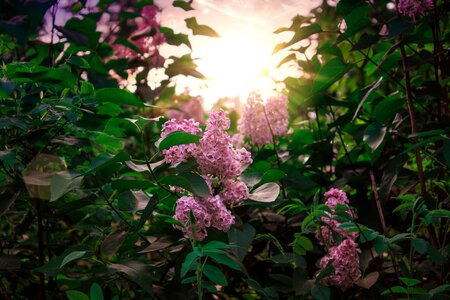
(236, 64)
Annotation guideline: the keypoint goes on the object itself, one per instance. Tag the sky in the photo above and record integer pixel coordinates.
(240, 60)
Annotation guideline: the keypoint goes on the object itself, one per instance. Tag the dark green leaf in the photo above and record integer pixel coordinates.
(225, 260)
(178, 138)
(183, 66)
(75, 253)
(79, 62)
(198, 29)
(189, 181)
(214, 274)
(320, 292)
(241, 239)
(126, 184)
(328, 74)
(76, 295)
(96, 292)
(189, 263)
(374, 135)
(148, 210)
(112, 243)
(182, 4)
(118, 96)
(133, 200)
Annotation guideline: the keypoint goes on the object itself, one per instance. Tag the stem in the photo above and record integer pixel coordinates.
(411, 110)
(283, 189)
(41, 256)
(199, 274)
(338, 128)
(377, 200)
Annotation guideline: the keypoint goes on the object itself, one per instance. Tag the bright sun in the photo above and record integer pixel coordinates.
(236, 64)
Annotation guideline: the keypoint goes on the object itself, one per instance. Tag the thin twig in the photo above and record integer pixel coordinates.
(378, 202)
(283, 189)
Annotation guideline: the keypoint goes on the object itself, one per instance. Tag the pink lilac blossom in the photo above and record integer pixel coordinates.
(147, 43)
(208, 212)
(414, 7)
(325, 235)
(221, 217)
(220, 164)
(345, 263)
(177, 154)
(188, 109)
(186, 205)
(215, 154)
(257, 117)
(234, 192)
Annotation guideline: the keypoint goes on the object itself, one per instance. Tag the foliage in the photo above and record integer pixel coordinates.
(87, 201)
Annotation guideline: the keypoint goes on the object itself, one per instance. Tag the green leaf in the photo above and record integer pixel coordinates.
(367, 94)
(189, 263)
(112, 243)
(73, 256)
(267, 192)
(439, 213)
(183, 66)
(440, 290)
(300, 34)
(374, 135)
(214, 274)
(410, 281)
(96, 292)
(148, 210)
(79, 62)
(178, 138)
(118, 96)
(63, 182)
(225, 260)
(272, 176)
(241, 239)
(320, 292)
(388, 107)
(105, 160)
(189, 181)
(328, 74)
(216, 245)
(198, 29)
(420, 245)
(302, 244)
(127, 184)
(182, 4)
(76, 295)
(75, 253)
(132, 200)
(137, 272)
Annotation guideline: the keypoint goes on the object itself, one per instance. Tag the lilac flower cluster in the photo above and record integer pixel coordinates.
(149, 46)
(325, 235)
(220, 163)
(344, 254)
(414, 7)
(345, 263)
(177, 154)
(259, 121)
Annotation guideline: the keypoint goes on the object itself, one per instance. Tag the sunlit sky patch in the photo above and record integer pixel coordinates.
(240, 60)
